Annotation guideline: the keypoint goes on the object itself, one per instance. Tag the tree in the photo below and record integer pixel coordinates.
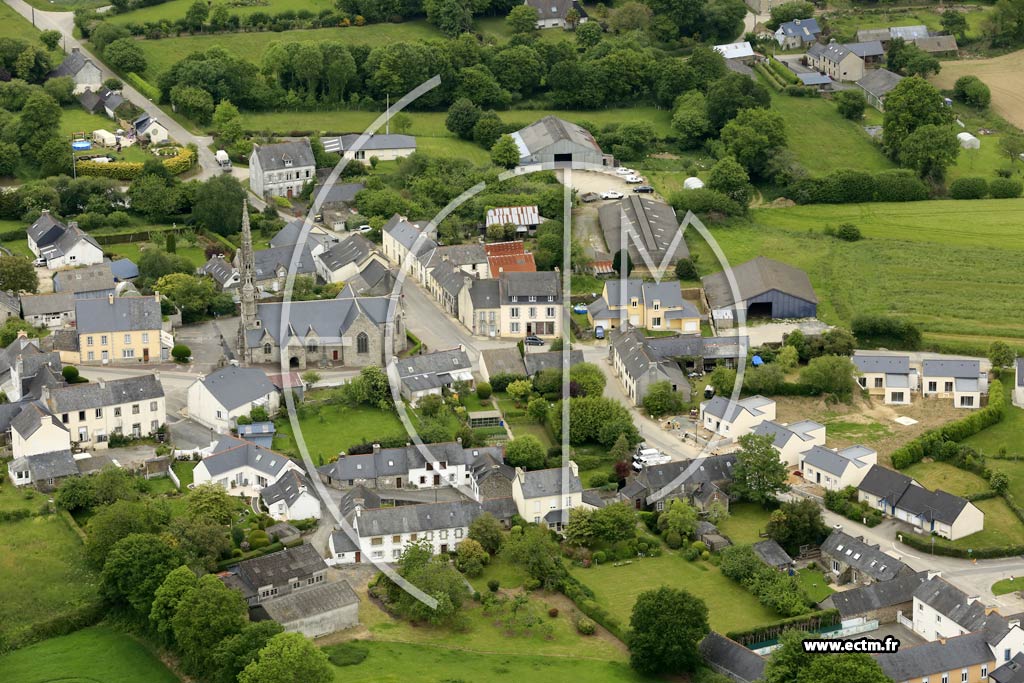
(451, 17)
(620, 450)
(51, 39)
(488, 129)
(10, 330)
(175, 586)
(192, 294)
(954, 23)
(17, 275)
(154, 264)
(850, 104)
(310, 377)
(505, 152)
(790, 659)
(999, 482)
(434, 576)
(589, 34)
(463, 115)
(196, 15)
(665, 628)
(722, 380)
(971, 90)
(202, 543)
(288, 657)
(218, 205)
(631, 16)
(679, 517)
(193, 102)
(913, 103)
(661, 399)
(537, 409)
(930, 150)
(731, 94)
(842, 668)
(759, 474)
(118, 520)
(730, 178)
(613, 523)
(1012, 145)
(135, 568)
(1001, 355)
(9, 154)
(236, 652)
(788, 11)
(690, 117)
(487, 531)
(61, 88)
(519, 390)
(522, 19)
(537, 552)
(525, 451)
(207, 614)
(588, 377)
(38, 123)
(686, 268)
(754, 136)
(470, 558)
(210, 502)
(125, 54)
(830, 375)
(717, 512)
(227, 122)
(75, 494)
(795, 524)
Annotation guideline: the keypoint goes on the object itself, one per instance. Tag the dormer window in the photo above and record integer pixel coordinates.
(634, 302)
(657, 305)
(287, 161)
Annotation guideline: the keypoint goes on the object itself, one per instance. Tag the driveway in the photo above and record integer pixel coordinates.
(597, 181)
(773, 333)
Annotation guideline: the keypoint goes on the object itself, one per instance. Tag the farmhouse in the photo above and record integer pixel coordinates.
(95, 281)
(649, 305)
(792, 440)
(525, 219)
(281, 169)
(552, 140)
(221, 397)
(384, 532)
(531, 304)
(795, 34)
(961, 380)
(651, 228)
(52, 311)
(548, 495)
(638, 366)
(733, 419)
(887, 376)
(62, 245)
(766, 288)
(836, 61)
(509, 257)
(876, 84)
(292, 570)
(850, 560)
(241, 467)
(121, 330)
(834, 470)
(693, 480)
(386, 147)
(433, 373)
(884, 601)
(556, 13)
(82, 70)
(291, 497)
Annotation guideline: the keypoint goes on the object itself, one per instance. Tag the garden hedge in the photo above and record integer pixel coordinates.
(804, 622)
(147, 89)
(925, 544)
(129, 170)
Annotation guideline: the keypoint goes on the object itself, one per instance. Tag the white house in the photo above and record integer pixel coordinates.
(291, 497)
(961, 380)
(242, 467)
(93, 411)
(147, 126)
(346, 259)
(281, 169)
(531, 304)
(733, 420)
(60, 245)
(899, 496)
(385, 532)
(553, 13)
(834, 470)
(887, 376)
(44, 470)
(82, 70)
(792, 440)
(546, 496)
(797, 33)
(35, 431)
(385, 147)
(431, 373)
(52, 311)
(220, 398)
(941, 610)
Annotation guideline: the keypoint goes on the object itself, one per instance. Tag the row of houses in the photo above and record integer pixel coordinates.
(895, 378)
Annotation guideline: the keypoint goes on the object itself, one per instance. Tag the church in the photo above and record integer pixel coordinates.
(347, 331)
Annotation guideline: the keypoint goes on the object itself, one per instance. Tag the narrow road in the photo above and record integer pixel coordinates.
(65, 23)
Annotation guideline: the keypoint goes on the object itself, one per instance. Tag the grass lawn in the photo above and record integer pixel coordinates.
(1002, 527)
(1008, 586)
(1006, 434)
(813, 582)
(941, 475)
(730, 607)
(337, 428)
(92, 654)
(13, 25)
(507, 574)
(42, 562)
(746, 521)
(976, 242)
(12, 499)
(813, 124)
(184, 468)
(390, 662)
(175, 9)
(133, 250)
(74, 119)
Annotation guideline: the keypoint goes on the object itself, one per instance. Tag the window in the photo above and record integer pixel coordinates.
(378, 554)
(92, 356)
(513, 312)
(897, 397)
(945, 677)
(443, 535)
(657, 305)
(145, 337)
(938, 618)
(655, 322)
(536, 520)
(933, 386)
(152, 406)
(64, 418)
(103, 339)
(135, 409)
(533, 299)
(984, 671)
(1006, 655)
(458, 533)
(128, 353)
(219, 415)
(117, 411)
(966, 401)
(550, 311)
(136, 430)
(660, 505)
(879, 382)
(362, 343)
(154, 425)
(634, 302)
(863, 382)
(397, 538)
(396, 553)
(963, 676)
(312, 347)
(949, 386)
(377, 540)
(413, 537)
(267, 349)
(532, 312)
(835, 566)
(297, 584)
(88, 340)
(81, 416)
(99, 413)
(513, 328)
(429, 535)
(127, 339)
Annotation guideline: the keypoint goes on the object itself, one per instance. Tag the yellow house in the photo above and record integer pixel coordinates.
(650, 305)
(120, 330)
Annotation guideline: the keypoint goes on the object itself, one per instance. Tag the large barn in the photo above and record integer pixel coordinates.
(553, 140)
(767, 289)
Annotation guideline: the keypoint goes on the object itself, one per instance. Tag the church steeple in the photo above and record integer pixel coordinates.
(246, 265)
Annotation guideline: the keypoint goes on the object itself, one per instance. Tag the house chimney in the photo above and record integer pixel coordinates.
(932, 574)
(110, 298)
(156, 296)
(376, 448)
(74, 50)
(156, 375)
(574, 468)
(458, 440)
(520, 474)
(22, 334)
(102, 382)
(942, 641)
(45, 395)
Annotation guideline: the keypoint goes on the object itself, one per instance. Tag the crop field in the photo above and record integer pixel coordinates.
(936, 263)
(1003, 75)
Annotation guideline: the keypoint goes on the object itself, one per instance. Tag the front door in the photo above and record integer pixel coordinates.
(289, 193)
(444, 547)
(398, 482)
(437, 480)
(145, 355)
(359, 557)
(817, 477)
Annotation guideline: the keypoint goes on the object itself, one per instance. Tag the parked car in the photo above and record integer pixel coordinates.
(590, 197)
(599, 332)
(39, 262)
(622, 170)
(634, 179)
(533, 340)
(645, 189)
(364, 228)
(612, 194)
(709, 391)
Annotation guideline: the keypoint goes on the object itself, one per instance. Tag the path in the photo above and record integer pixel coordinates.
(65, 23)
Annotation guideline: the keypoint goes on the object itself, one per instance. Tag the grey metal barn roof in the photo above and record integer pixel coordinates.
(863, 599)
(383, 141)
(235, 386)
(43, 304)
(277, 568)
(549, 130)
(757, 277)
(503, 360)
(124, 314)
(94, 278)
(311, 601)
(772, 554)
(652, 221)
(879, 82)
(868, 48)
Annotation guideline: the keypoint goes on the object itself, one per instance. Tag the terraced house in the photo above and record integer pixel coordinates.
(93, 411)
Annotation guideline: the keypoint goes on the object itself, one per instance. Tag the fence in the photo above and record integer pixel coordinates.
(174, 478)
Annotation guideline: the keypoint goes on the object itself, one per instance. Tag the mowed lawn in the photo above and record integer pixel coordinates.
(92, 654)
(950, 266)
(1008, 434)
(390, 662)
(745, 524)
(730, 607)
(941, 475)
(13, 25)
(44, 573)
(337, 428)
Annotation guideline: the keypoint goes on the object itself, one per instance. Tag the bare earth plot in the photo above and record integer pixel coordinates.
(1003, 75)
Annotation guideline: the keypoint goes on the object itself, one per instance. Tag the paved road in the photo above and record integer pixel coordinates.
(65, 23)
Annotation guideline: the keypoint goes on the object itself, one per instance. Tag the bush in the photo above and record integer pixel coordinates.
(70, 374)
(968, 188)
(705, 201)
(597, 480)
(258, 539)
(483, 391)
(673, 540)
(1005, 188)
(346, 654)
(848, 232)
(600, 557)
(899, 186)
(553, 612)
(493, 585)
(181, 353)
(971, 90)
(585, 627)
(500, 381)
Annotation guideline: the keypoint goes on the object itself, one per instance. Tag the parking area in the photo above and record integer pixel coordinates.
(598, 182)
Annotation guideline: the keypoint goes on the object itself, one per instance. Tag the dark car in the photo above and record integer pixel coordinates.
(533, 340)
(647, 189)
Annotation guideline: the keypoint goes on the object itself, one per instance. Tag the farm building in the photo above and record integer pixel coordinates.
(387, 147)
(653, 223)
(554, 140)
(766, 288)
(876, 84)
(938, 45)
(525, 218)
(836, 61)
(968, 141)
(740, 51)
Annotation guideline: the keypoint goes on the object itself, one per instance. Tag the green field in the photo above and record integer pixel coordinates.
(86, 656)
(12, 24)
(730, 607)
(1006, 434)
(176, 9)
(936, 263)
(44, 572)
(337, 428)
(745, 524)
(404, 663)
(845, 25)
(941, 475)
(133, 250)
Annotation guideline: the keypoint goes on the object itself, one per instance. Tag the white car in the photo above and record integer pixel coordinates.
(611, 194)
(622, 170)
(364, 228)
(634, 179)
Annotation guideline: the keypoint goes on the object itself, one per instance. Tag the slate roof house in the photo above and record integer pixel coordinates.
(10, 305)
(729, 658)
(638, 366)
(766, 287)
(281, 169)
(884, 600)
(963, 658)
(93, 411)
(941, 610)
(222, 272)
(850, 560)
(260, 433)
(531, 304)
(61, 245)
(148, 128)
(837, 61)
(344, 260)
(316, 611)
(651, 305)
(655, 485)
(733, 419)
(291, 497)
(553, 13)
(652, 223)
(899, 496)
(384, 532)
(24, 368)
(834, 470)
(876, 84)
(961, 380)
(121, 330)
(406, 246)
(218, 399)
(552, 140)
(887, 376)
(433, 373)
(480, 306)
(287, 571)
(52, 311)
(82, 70)
(44, 471)
(797, 33)
(384, 146)
(792, 440)
(241, 467)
